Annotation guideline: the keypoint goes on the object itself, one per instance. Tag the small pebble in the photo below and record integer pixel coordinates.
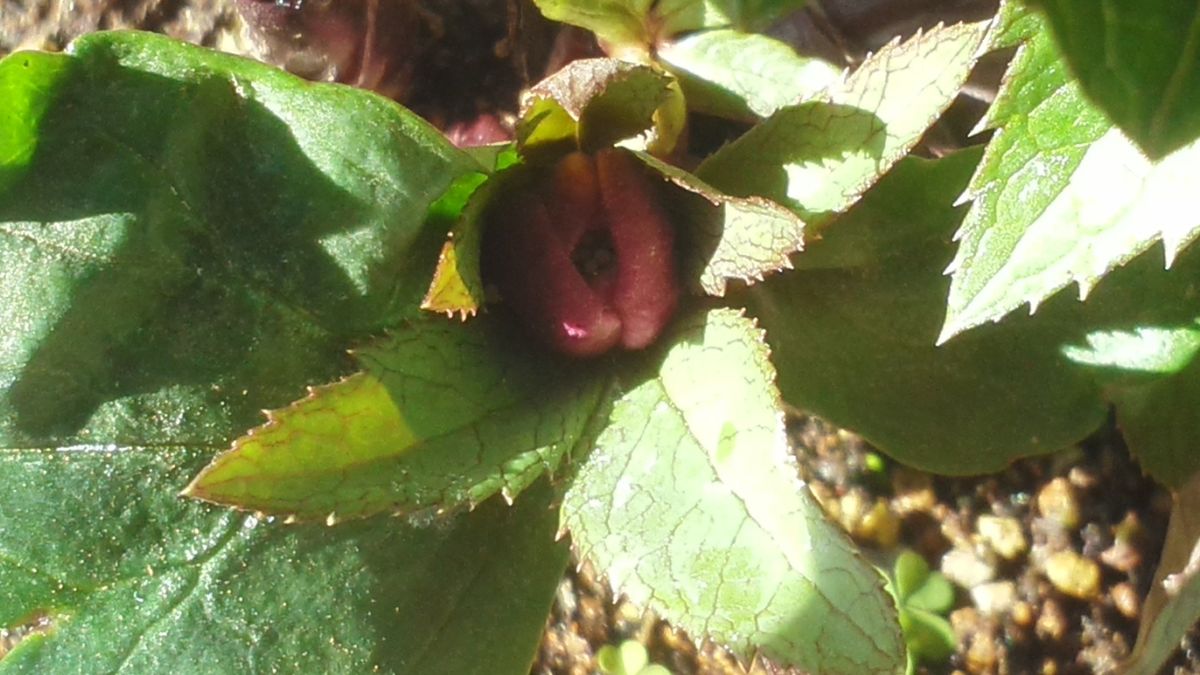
(1095, 539)
(913, 490)
(965, 622)
(564, 598)
(827, 499)
(982, 654)
(1051, 622)
(1022, 614)
(1002, 535)
(1125, 600)
(965, 568)
(852, 506)
(1122, 557)
(879, 526)
(1073, 575)
(593, 621)
(1057, 502)
(1083, 477)
(994, 598)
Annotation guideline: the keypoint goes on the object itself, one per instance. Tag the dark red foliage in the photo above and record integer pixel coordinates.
(586, 257)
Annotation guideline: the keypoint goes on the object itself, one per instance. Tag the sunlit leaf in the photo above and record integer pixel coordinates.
(728, 237)
(1061, 197)
(819, 157)
(691, 504)
(744, 75)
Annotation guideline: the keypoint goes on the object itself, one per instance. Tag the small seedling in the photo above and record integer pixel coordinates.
(628, 658)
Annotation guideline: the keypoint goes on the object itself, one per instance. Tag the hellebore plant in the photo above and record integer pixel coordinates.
(188, 238)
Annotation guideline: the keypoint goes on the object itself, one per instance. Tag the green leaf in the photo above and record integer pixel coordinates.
(632, 27)
(194, 222)
(819, 157)
(457, 284)
(691, 504)
(855, 345)
(935, 595)
(1160, 423)
(1153, 377)
(1060, 197)
(1139, 61)
(743, 75)
(929, 637)
(911, 570)
(195, 238)
(618, 22)
(673, 17)
(727, 237)
(443, 416)
(1173, 605)
(149, 583)
(28, 83)
(595, 102)
(1146, 349)
(630, 658)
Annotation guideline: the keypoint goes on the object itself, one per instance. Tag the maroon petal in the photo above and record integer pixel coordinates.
(535, 273)
(574, 202)
(647, 287)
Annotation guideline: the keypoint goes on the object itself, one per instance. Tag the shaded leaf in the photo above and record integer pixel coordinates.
(691, 504)
(728, 237)
(1173, 604)
(1139, 61)
(818, 157)
(145, 582)
(1160, 423)
(744, 75)
(1060, 197)
(191, 222)
(444, 416)
(856, 346)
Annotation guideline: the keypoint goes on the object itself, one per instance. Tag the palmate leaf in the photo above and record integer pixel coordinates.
(691, 504)
(819, 157)
(443, 416)
(187, 238)
(1061, 196)
(1137, 60)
